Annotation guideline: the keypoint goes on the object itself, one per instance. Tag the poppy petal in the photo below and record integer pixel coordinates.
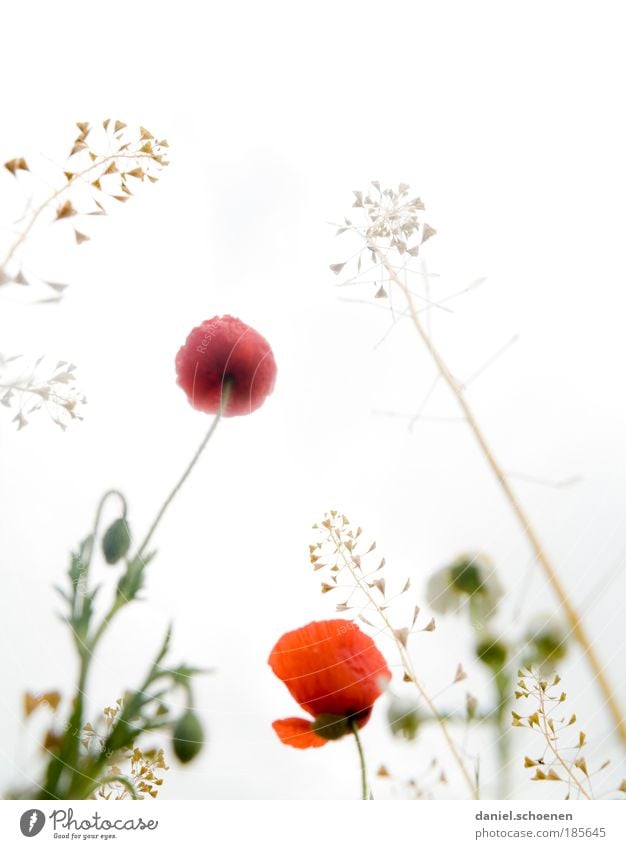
(297, 732)
(331, 667)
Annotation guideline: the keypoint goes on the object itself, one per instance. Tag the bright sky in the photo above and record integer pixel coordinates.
(509, 125)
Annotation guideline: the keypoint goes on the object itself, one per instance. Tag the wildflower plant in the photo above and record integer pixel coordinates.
(356, 574)
(388, 232)
(83, 760)
(559, 757)
(334, 668)
(26, 387)
(470, 585)
(81, 755)
(139, 776)
(336, 673)
(105, 164)
(133, 774)
(226, 368)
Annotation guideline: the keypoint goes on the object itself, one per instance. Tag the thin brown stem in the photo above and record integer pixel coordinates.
(573, 617)
(34, 215)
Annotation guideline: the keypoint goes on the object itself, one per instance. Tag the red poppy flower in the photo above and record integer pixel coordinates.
(335, 672)
(224, 351)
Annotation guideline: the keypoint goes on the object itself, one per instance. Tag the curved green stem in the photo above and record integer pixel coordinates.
(117, 605)
(225, 396)
(355, 730)
(96, 524)
(119, 601)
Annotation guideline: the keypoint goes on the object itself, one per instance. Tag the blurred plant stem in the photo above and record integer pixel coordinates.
(504, 687)
(573, 617)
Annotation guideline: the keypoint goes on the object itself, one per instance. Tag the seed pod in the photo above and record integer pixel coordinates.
(187, 737)
(116, 541)
(547, 643)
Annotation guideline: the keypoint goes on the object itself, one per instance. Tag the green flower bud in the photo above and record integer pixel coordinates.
(331, 727)
(547, 644)
(187, 737)
(116, 541)
(466, 577)
(469, 581)
(493, 653)
(403, 718)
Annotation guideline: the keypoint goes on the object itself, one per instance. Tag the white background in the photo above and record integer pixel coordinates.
(508, 122)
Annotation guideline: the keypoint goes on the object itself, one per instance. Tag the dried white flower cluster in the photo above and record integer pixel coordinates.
(26, 387)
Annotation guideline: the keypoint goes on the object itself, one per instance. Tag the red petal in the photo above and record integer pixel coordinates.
(297, 733)
(331, 667)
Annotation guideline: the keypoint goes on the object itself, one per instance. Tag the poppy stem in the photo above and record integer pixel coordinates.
(226, 390)
(121, 600)
(364, 790)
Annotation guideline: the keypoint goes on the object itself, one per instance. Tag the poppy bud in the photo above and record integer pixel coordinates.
(187, 737)
(469, 579)
(116, 541)
(493, 653)
(547, 643)
(220, 351)
(466, 576)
